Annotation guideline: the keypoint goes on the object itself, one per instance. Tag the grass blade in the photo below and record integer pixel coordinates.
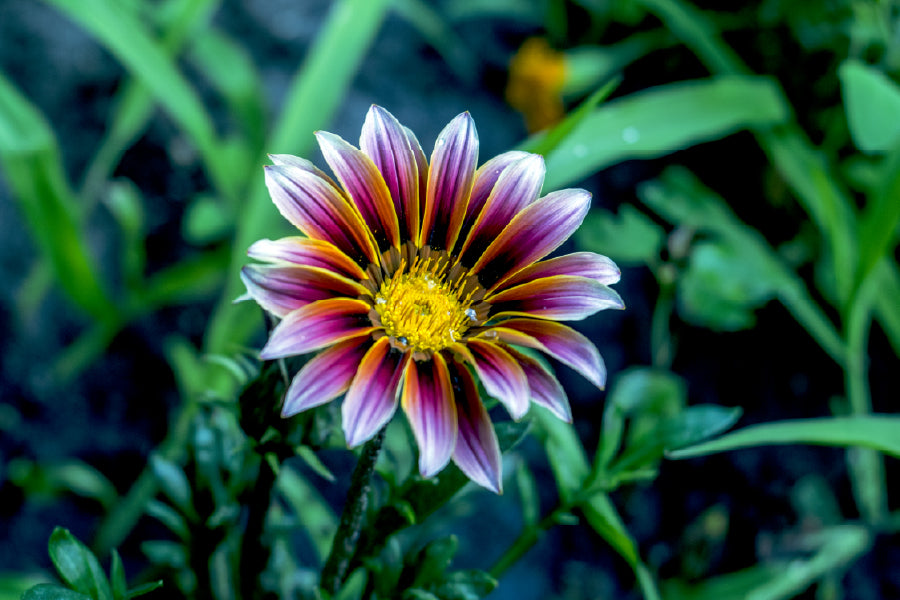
(878, 432)
(30, 158)
(312, 101)
(126, 37)
(662, 120)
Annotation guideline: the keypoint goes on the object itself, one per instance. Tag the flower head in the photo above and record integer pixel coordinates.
(414, 278)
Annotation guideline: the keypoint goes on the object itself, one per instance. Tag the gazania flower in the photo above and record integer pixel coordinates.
(413, 279)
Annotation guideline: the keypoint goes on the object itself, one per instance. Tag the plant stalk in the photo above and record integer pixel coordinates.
(344, 545)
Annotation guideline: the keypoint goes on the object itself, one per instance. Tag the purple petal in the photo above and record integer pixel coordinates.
(545, 388)
(372, 398)
(559, 341)
(326, 376)
(423, 169)
(477, 452)
(561, 297)
(582, 264)
(281, 289)
(535, 232)
(428, 402)
(362, 180)
(318, 209)
(485, 178)
(385, 141)
(450, 182)
(500, 374)
(308, 252)
(518, 186)
(289, 160)
(317, 325)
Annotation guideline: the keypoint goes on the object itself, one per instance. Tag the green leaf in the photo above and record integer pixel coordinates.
(168, 554)
(679, 197)
(307, 505)
(169, 517)
(723, 285)
(133, 103)
(879, 225)
(117, 577)
(641, 391)
(205, 221)
(227, 65)
(659, 433)
(124, 203)
(417, 594)
(173, 482)
(313, 461)
(872, 103)
(144, 588)
(127, 37)
(469, 584)
(887, 309)
(419, 498)
(50, 591)
(731, 585)
(629, 237)
(605, 520)
(312, 100)
(878, 432)
(352, 588)
(77, 565)
(528, 494)
(432, 560)
(662, 120)
(33, 169)
(546, 143)
(565, 452)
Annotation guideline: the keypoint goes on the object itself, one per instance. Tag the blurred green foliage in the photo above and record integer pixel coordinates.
(239, 486)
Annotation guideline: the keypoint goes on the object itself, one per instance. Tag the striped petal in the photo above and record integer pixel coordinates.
(361, 179)
(517, 187)
(559, 341)
(326, 376)
(372, 398)
(500, 374)
(317, 325)
(562, 298)
(583, 264)
(477, 451)
(307, 252)
(450, 182)
(485, 178)
(428, 403)
(545, 388)
(535, 232)
(384, 140)
(318, 209)
(289, 160)
(423, 169)
(281, 289)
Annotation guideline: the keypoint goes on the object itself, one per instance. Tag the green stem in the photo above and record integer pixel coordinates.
(866, 466)
(525, 541)
(255, 554)
(119, 523)
(660, 331)
(344, 545)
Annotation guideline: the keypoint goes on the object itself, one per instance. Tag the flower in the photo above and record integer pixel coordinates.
(412, 279)
(537, 77)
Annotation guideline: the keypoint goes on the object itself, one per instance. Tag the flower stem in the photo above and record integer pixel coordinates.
(344, 545)
(866, 466)
(525, 541)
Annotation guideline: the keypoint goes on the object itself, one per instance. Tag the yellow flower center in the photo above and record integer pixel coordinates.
(424, 309)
